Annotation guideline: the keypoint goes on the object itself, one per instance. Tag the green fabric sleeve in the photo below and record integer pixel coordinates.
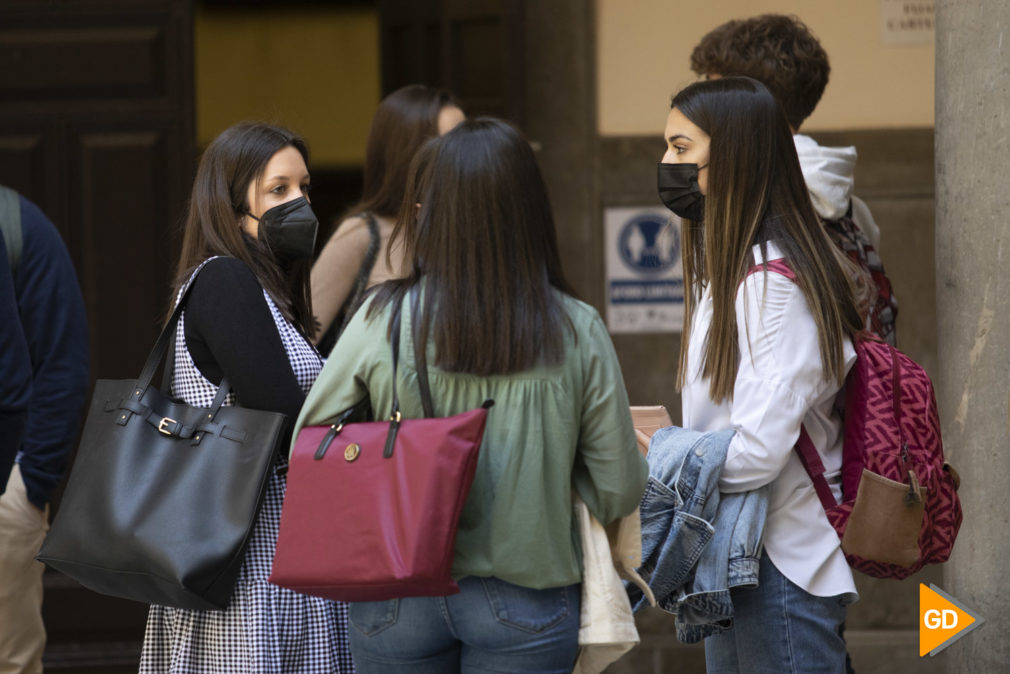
(341, 383)
(609, 472)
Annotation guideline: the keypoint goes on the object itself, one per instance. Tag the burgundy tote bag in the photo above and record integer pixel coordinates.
(372, 507)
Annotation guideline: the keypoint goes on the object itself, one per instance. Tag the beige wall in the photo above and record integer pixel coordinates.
(644, 47)
(315, 70)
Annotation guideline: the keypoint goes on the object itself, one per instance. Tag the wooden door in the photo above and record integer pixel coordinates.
(474, 48)
(97, 128)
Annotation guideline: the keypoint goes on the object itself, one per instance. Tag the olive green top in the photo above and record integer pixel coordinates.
(551, 428)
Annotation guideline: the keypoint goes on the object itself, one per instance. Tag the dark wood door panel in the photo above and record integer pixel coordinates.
(93, 62)
(95, 57)
(476, 69)
(123, 264)
(410, 34)
(484, 55)
(97, 126)
(27, 154)
(472, 47)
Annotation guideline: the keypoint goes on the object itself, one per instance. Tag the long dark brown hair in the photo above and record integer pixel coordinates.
(484, 251)
(756, 193)
(404, 120)
(234, 160)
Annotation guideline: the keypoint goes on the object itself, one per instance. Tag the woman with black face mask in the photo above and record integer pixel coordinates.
(765, 350)
(246, 251)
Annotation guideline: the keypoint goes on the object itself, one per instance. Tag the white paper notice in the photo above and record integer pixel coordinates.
(645, 280)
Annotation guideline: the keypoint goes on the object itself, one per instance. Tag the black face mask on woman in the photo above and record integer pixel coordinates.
(679, 191)
(289, 230)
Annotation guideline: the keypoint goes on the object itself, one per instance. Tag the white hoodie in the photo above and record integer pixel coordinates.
(828, 172)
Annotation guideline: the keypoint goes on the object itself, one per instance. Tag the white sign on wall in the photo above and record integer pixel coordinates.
(907, 21)
(645, 280)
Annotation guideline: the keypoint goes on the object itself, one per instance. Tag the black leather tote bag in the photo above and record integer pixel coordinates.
(162, 496)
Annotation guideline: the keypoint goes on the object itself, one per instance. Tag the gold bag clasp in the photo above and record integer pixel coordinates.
(352, 451)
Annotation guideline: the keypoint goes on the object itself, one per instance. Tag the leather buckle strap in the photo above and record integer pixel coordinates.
(168, 426)
(163, 425)
(128, 408)
(220, 430)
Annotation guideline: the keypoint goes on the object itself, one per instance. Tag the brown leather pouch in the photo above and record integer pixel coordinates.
(886, 520)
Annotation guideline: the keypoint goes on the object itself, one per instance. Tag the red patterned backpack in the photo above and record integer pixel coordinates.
(899, 509)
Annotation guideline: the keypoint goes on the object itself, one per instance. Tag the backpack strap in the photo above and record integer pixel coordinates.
(856, 245)
(812, 463)
(10, 225)
(804, 447)
(778, 265)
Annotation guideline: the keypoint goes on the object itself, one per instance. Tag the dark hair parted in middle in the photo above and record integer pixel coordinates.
(477, 223)
(404, 120)
(234, 160)
(777, 50)
(756, 193)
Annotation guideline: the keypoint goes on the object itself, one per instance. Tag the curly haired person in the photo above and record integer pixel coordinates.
(783, 54)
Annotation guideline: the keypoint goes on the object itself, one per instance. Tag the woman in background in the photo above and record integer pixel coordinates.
(358, 255)
(499, 321)
(248, 317)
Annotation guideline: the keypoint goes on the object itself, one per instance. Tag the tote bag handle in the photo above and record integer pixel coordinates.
(167, 336)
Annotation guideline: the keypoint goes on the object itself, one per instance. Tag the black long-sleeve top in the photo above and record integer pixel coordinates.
(231, 332)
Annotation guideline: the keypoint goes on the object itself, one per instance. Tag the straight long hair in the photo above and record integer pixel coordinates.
(404, 120)
(756, 193)
(477, 223)
(232, 162)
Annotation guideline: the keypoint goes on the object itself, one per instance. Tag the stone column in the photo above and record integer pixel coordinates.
(561, 123)
(973, 309)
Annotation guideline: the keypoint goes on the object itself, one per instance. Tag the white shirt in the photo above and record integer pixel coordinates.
(780, 385)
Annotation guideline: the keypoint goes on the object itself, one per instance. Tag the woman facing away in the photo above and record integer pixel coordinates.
(763, 355)
(358, 255)
(498, 320)
(248, 239)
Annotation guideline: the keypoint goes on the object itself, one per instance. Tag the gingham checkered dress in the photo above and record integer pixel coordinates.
(265, 629)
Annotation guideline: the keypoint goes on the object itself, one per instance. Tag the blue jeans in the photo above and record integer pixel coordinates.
(490, 626)
(778, 628)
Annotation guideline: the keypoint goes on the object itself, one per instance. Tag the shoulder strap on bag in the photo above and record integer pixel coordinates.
(778, 265)
(330, 333)
(394, 416)
(421, 356)
(10, 225)
(808, 455)
(169, 368)
(422, 372)
(157, 354)
(364, 272)
(812, 463)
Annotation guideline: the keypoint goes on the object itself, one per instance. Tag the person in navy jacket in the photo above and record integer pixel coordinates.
(15, 372)
(49, 314)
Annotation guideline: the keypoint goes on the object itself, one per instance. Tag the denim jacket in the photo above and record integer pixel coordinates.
(696, 542)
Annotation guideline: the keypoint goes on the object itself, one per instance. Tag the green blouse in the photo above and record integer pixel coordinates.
(551, 428)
